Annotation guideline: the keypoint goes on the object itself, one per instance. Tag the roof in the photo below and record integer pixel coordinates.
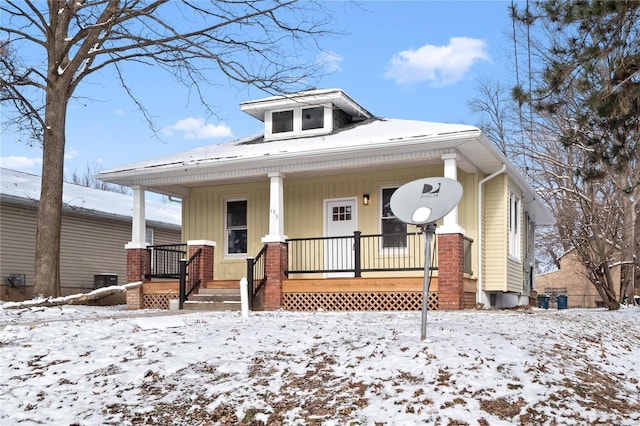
(373, 142)
(335, 97)
(25, 187)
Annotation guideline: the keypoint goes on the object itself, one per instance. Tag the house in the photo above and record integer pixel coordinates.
(95, 226)
(571, 279)
(312, 192)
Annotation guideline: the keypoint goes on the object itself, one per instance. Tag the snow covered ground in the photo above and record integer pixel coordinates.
(79, 365)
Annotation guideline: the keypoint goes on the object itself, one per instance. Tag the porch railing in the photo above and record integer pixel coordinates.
(358, 253)
(189, 276)
(165, 260)
(256, 274)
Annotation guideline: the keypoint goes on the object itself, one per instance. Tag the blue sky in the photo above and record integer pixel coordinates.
(399, 59)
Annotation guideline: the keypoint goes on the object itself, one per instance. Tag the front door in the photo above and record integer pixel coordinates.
(340, 219)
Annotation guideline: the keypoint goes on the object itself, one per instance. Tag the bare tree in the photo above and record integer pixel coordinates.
(88, 179)
(589, 77)
(575, 136)
(260, 43)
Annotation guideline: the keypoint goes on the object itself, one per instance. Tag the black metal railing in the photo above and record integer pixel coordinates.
(358, 253)
(165, 260)
(256, 274)
(189, 276)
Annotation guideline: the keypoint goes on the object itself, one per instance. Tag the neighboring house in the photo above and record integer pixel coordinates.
(314, 191)
(572, 280)
(96, 225)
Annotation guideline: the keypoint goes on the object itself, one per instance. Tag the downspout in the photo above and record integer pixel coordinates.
(480, 240)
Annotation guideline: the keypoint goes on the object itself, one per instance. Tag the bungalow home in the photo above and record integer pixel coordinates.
(302, 211)
(95, 225)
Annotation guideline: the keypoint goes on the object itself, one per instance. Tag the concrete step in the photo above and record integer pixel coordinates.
(211, 306)
(222, 284)
(215, 297)
(220, 291)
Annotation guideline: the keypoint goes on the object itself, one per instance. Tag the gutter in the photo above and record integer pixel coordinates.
(480, 184)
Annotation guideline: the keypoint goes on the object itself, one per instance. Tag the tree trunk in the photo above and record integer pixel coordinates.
(636, 245)
(47, 270)
(627, 255)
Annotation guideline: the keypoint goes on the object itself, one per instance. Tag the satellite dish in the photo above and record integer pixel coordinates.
(426, 200)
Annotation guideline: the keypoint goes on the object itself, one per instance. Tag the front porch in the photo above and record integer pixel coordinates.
(355, 272)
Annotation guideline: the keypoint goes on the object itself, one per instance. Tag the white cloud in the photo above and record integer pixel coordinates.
(330, 61)
(437, 65)
(119, 112)
(196, 128)
(71, 154)
(26, 164)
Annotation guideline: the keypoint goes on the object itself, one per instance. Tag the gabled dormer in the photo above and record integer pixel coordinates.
(308, 113)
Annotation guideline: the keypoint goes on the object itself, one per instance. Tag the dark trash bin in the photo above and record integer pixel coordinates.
(543, 301)
(562, 301)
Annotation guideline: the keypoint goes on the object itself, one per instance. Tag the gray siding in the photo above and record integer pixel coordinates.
(88, 246)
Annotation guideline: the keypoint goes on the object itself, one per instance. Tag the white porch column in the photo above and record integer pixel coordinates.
(138, 222)
(276, 209)
(450, 221)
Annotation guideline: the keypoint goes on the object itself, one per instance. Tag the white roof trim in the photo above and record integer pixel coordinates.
(336, 97)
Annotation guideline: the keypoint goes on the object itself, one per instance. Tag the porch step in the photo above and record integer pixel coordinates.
(222, 284)
(215, 297)
(193, 305)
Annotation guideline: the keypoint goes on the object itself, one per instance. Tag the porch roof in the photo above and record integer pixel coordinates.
(374, 143)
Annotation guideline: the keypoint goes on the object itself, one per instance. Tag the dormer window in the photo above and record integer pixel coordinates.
(282, 121)
(312, 118)
(298, 121)
(309, 113)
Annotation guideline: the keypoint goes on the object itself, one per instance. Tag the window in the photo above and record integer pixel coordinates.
(390, 224)
(236, 227)
(298, 121)
(514, 225)
(341, 213)
(312, 118)
(282, 121)
(149, 236)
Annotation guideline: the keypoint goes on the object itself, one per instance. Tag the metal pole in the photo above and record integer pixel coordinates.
(428, 230)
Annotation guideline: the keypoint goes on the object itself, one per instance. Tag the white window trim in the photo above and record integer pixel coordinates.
(228, 255)
(297, 122)
(149, 233)
(387, 251)
(515, 226)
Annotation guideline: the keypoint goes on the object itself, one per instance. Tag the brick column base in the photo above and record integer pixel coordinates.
(276, 267)
(206, 257)
(135, 297)
(450, 272)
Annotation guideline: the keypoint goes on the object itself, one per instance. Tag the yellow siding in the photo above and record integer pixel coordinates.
(468, 213)
(495, 234)
(515, 274)
(304, 208)
(203, 220)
